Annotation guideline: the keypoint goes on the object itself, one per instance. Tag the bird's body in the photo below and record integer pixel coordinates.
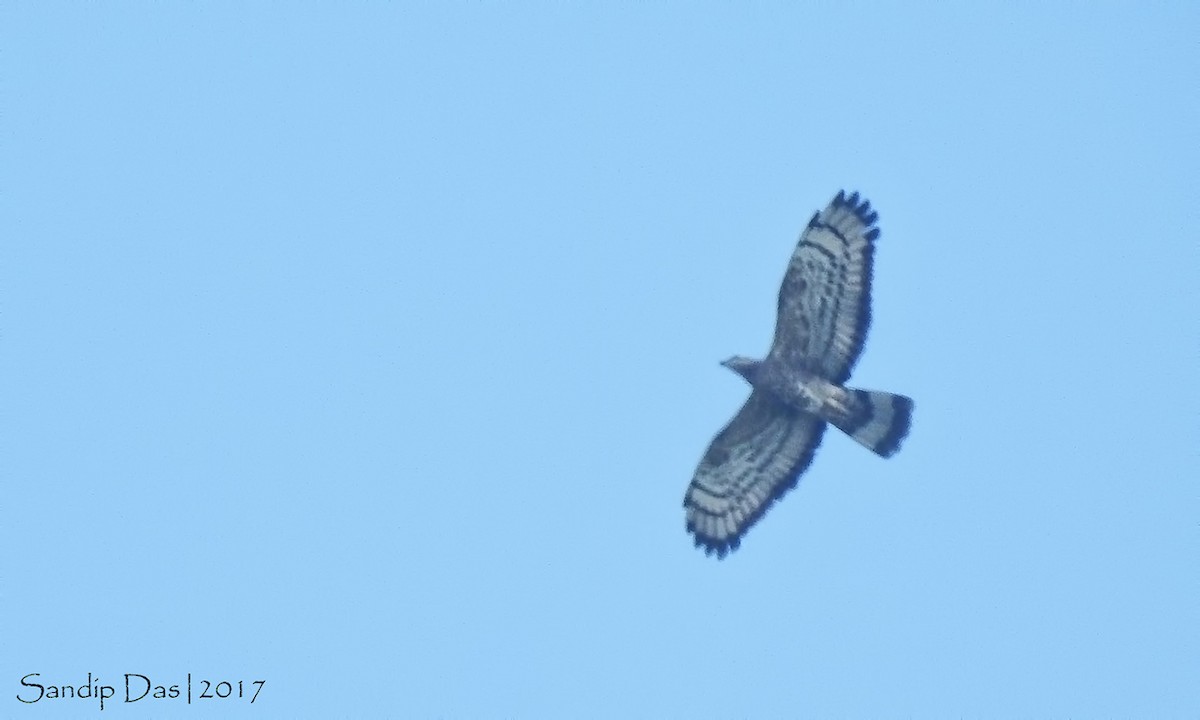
(796, 387)
(824, 312)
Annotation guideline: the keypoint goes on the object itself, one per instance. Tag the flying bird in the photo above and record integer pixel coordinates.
(824, 311)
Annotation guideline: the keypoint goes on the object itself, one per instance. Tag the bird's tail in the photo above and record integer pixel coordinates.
(878, 420)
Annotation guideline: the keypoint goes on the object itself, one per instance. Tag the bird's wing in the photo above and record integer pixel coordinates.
(752, 462)
(825, 298)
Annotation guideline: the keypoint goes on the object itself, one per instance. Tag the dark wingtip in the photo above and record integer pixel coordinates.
(712, 546)
(862, 209)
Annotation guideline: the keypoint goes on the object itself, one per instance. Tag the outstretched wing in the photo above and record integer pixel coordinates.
(825, 299)
(752, 462)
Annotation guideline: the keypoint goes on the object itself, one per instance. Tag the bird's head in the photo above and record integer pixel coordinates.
(743, 366)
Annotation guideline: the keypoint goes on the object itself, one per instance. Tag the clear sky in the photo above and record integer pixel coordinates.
(367, 350)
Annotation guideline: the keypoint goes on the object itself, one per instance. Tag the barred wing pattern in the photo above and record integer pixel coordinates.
(752, 462)
(825, 299)
(823, 315)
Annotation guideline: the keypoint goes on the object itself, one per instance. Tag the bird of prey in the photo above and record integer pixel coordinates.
(824, 311)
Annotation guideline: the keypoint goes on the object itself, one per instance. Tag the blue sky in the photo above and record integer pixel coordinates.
(368, 350)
